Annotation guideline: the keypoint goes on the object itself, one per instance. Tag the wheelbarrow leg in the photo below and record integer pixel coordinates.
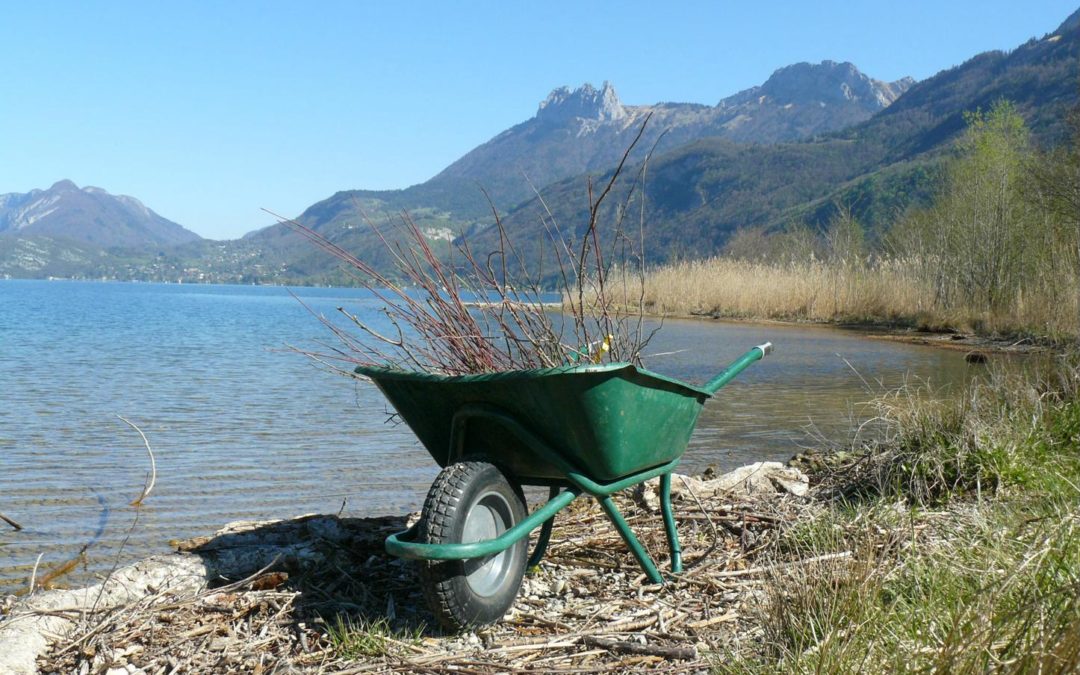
(545, 534)
(669, 523)
(632, 542)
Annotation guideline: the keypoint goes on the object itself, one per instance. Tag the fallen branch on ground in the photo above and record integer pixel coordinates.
(623, 647)
(584, 609)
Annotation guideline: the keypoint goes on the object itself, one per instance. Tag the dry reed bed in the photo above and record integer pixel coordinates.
(585, 610)
(884, 291)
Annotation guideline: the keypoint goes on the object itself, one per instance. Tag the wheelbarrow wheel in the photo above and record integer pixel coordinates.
(469, 502)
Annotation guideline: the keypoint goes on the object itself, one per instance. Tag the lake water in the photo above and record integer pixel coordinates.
(243, 429)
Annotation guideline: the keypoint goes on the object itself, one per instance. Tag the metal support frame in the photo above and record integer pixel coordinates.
(669, 523)
(545, 534)
(404, 544)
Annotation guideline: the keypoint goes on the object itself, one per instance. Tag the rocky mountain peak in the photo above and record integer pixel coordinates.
(586, 102)
(89, 216)
(827, 83)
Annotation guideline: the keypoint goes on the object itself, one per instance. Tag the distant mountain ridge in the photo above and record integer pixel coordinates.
(586, 130)
(88, 216)
(705, 180)
(840, 93)
(698, 194)
(789, 150)
(827, 82)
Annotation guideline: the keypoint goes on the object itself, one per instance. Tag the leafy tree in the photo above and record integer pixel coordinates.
(985, 219)
(974, 244)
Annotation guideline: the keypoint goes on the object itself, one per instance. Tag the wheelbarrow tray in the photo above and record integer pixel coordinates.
(610, 421)
(580, 429)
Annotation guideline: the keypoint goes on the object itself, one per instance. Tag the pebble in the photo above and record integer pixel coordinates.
(539, 588)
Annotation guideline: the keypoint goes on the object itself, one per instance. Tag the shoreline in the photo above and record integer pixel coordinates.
(943, 339)
(319, 591)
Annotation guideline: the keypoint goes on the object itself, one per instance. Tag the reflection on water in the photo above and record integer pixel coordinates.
(242, 429)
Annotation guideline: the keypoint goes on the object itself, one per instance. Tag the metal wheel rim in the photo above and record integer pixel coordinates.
(488, 517)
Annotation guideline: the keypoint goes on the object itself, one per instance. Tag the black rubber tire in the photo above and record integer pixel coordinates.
(464, 594)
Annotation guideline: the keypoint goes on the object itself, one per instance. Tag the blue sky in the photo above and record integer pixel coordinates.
(207, 111)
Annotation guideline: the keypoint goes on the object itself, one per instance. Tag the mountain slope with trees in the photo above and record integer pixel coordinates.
(697, 195)
(702, 183)
(586, 130)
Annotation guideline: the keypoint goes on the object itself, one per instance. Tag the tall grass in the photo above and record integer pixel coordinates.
(964, 529)
(985, 590)
(886, 290)
(996, 252)
(814, 291)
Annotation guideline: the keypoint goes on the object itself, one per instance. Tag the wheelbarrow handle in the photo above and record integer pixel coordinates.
(739, 365)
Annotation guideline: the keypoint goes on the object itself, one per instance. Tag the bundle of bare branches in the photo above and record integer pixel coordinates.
(470, 312)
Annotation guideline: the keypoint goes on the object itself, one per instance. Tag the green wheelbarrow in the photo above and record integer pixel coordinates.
(582, 429)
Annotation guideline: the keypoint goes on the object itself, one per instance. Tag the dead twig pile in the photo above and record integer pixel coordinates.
(356, 610)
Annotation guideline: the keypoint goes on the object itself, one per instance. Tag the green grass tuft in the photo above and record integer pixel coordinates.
(358, 638)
